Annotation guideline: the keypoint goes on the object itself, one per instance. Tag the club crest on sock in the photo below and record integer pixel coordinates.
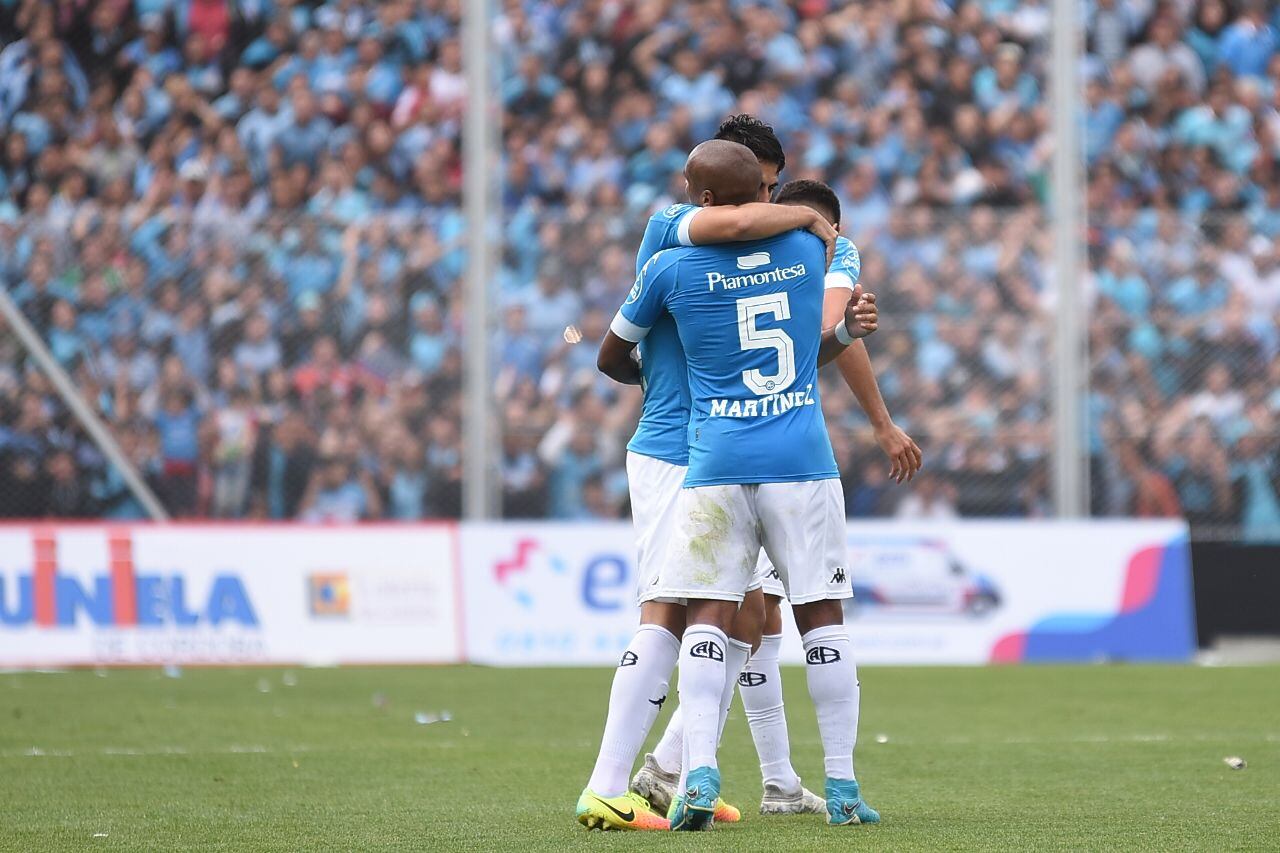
(707, 649)
(821, 655)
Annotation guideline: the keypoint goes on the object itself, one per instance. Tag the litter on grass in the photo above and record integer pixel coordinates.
(1235, 762)
(424, 718)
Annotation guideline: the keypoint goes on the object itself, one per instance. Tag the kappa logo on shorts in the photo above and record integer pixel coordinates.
(838, 576)
(751, 679)
(628, 658)
(822, 654)
(773, 573)
(707, 649)
(659, 701)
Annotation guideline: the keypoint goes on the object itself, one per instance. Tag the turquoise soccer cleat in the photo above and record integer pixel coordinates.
(695, 808)
(845, 806)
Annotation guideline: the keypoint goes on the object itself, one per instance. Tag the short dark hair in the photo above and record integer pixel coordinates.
(750, 131)
(812, 193)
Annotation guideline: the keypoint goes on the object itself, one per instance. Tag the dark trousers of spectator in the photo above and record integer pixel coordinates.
(178, 488)
(1099, 472)
(446, 498)
(524, 503)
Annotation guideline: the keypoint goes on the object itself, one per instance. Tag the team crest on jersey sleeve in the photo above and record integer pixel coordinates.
(853, 263)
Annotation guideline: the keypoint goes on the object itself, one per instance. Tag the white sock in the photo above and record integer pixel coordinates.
(833, 686)
(761, 688)
(702, 668)
(735, 658)
(669, 753)
(639, 689)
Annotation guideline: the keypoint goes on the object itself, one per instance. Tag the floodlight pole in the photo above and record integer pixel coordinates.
(80, 409)
(479, 492)
(1070, 472)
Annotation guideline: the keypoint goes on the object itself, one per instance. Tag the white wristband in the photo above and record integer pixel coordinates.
(842, 334)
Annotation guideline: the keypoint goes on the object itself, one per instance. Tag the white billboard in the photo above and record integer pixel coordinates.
(545, 593)
(961, 592)
(228, 594)
(517, 594)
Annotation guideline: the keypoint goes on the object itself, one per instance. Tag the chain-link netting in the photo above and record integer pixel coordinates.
(962, 358)
(1184, 354)
(241, 236)
(288, 366)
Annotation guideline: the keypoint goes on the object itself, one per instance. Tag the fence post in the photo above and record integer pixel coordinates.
(479, 495)
(1070, 373)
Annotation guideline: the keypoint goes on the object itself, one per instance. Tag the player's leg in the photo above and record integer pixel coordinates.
(641, 680)
(703, 676)
(659, 777)
(709, 564)
(808, 548)
(760, 686)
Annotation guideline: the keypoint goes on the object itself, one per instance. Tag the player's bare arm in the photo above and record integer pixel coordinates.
(859, 318)
(757, 221)
(854, 364)
(615, 360)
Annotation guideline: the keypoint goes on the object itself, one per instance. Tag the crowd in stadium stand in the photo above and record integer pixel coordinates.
(237, 225)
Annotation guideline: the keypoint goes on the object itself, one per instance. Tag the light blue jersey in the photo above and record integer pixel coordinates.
(664, 420)
(749, 316)
(846, 266)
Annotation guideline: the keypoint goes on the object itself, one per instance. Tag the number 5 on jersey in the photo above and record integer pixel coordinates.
(779, 307)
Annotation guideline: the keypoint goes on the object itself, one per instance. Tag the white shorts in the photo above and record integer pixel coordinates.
(655, 490)
(714, 549)
(769, 577)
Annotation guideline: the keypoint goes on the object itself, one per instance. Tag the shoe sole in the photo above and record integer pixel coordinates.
(595, 822)
(790, 808)
(645, 787)
(696, 819)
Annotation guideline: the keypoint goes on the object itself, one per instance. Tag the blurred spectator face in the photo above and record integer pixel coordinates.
(583, 442)
(451, 56)
(38, 272)
(335, 472)
(686, 64)
(304, 107)
(257, 329)
(62, 467)
(1008, 65)
(63, 315)
(325, 353)
(514, 321)
(1217, 379)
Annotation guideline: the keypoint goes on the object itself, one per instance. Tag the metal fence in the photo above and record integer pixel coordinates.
(250, 337)
(314, 370)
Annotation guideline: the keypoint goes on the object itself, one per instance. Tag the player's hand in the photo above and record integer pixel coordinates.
(902, 452)
(827, 233)
(861, 317)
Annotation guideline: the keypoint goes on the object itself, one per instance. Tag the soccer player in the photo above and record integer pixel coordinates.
(656, 458)
(760, 683)
(761, 471)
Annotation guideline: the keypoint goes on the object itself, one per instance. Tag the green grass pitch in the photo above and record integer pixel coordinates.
(1018, 758)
